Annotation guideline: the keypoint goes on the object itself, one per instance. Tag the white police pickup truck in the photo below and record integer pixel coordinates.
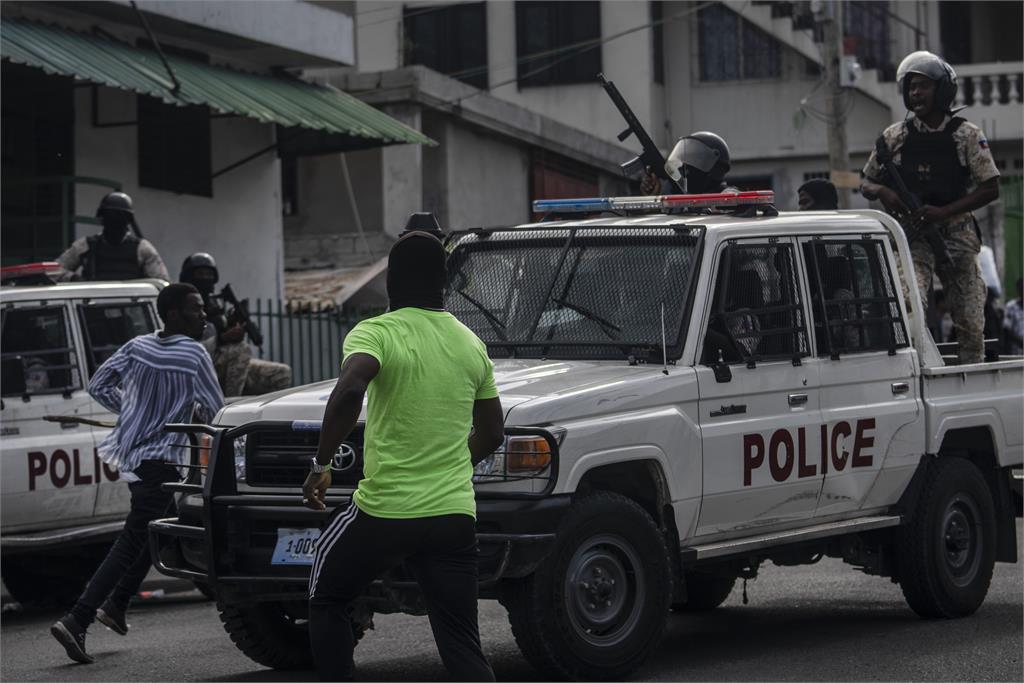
(61, 506)
(689, 395)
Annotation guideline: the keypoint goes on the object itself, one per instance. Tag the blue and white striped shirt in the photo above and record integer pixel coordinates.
(148, 382)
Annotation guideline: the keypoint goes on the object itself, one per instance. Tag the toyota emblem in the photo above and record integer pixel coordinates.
(344, 458)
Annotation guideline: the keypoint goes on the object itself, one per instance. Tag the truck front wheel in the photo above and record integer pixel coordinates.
(274, 634)
(945, 552)
(596, 607)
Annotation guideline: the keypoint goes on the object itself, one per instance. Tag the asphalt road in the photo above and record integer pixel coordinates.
(822, 622)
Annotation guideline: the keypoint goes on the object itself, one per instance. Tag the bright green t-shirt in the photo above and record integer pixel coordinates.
(416, 460)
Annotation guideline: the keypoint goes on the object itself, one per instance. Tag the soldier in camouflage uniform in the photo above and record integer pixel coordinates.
(945, 161)
(237, 371)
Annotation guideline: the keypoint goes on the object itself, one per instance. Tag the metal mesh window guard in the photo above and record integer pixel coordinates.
(594, 292)
(854, 304)
(757, 312)
(37, 354)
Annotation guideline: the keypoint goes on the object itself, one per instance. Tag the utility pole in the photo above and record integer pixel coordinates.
(832, 49)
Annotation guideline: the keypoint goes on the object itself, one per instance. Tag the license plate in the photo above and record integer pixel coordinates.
(295, 546)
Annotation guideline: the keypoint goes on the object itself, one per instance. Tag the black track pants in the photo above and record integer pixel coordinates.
(356, 548)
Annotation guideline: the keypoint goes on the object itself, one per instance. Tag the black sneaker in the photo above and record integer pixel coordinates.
(113, 618)
(71, 635)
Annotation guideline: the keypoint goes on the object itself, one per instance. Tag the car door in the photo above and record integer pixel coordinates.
(49, 470)
(869, 388)
(758, 391)
(106, 325)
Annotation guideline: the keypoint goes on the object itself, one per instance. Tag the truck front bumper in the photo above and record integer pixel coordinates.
(234, 554)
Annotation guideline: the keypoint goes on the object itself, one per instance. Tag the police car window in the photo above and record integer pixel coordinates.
(37, 353)
(853, 298)
(757, 312)
(107, 327)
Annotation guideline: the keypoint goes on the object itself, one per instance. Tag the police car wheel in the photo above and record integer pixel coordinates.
(946, 551)
(596, 607)
(51, 580)
(704, 592)
(274, 634)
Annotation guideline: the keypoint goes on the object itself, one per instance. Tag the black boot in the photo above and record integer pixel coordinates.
(113, 618)
(71, 635)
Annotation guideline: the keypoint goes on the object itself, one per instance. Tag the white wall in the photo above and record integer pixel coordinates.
(488, 180)
(240, 225)
(300, 26)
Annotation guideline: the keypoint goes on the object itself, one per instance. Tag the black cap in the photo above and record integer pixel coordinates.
(423, 222)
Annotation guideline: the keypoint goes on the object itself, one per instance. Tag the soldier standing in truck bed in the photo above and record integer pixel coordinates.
(944, 160)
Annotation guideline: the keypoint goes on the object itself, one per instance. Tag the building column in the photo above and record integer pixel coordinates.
(401, 173)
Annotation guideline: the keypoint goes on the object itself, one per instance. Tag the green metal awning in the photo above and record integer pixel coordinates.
(284, 101)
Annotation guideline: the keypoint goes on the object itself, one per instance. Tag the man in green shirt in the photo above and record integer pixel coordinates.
(433, 412)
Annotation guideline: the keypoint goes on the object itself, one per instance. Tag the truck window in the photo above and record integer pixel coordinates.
(853, 298)
(38, 356)
(106, 327)
(757, 313)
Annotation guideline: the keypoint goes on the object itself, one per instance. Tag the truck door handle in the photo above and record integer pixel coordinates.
(900, 387)
(730, 410)
(797, 399)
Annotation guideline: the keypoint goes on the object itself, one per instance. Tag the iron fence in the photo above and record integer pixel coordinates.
(308, 337)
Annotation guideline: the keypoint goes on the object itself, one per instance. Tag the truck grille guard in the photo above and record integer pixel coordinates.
(220, 485)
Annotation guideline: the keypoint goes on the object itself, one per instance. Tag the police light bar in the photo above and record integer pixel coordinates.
(653, 202)
(36, 272)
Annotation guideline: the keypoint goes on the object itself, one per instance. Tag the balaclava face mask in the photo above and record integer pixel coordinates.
(822, 193)
(416, 272)
(115, 226)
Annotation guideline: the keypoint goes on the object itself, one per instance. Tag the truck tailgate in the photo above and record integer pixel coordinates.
(986, 395)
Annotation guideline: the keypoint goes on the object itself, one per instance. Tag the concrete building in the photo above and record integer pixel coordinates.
(88, 106)
(509, 91)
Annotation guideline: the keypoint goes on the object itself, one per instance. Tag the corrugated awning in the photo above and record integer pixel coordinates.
(284, 101)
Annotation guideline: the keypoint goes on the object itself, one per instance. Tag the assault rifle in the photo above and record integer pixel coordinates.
(650, 157)
(241, 315)
(930, 232)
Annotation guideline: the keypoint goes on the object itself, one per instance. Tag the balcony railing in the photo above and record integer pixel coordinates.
(986, 85)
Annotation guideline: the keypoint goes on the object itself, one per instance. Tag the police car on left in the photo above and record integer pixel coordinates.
(61, 507)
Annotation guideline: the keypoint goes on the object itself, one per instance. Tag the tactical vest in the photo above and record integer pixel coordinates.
(105, 261)
(930, 166)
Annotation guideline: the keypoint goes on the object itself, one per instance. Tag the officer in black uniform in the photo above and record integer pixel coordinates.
(946, 162)
(117, 253)
(698, 163)
(224, 337)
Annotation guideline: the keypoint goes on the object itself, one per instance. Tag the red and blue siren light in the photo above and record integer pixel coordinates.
(654, 202)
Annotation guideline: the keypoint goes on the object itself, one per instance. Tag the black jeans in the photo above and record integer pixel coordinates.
(122, 571)
(356, 548)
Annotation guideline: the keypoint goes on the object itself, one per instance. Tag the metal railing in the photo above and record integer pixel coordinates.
(307, 337)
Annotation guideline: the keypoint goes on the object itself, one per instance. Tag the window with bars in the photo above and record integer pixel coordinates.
(545, 32)
(757, 313)
(38, 355)
(107, 327)
(584, 292)
(451, 40)
(731, 48)
(853, 298)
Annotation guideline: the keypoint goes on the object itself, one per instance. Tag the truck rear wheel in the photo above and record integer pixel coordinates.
(704, 592)
(596, 607)
(269, 633)
(946, 551)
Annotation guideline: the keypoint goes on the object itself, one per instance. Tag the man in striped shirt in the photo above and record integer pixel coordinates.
(153, 379)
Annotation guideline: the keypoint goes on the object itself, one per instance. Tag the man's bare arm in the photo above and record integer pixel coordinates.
(488, 428)
(342, 411)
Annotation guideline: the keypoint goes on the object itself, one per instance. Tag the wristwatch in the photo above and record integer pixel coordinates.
(317, 468)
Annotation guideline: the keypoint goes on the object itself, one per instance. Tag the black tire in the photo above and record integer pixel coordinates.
(269, 634)
(945, 552)
(608, 548)
(705, 592)
(276, 634)
(205, 589)
(51, 580)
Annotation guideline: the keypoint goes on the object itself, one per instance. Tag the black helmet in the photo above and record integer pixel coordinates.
(115, 202)
(199, 260)
(706, 157)
(930, 66)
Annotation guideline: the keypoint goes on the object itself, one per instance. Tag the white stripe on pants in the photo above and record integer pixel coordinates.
(327, 540)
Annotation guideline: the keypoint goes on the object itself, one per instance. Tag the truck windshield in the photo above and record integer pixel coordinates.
(574, 292)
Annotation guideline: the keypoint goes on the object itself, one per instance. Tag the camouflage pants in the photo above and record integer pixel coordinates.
(962, 283)
(239, 373)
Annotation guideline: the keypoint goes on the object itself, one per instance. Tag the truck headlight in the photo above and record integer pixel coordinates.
(520, 456)
(240, 458)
